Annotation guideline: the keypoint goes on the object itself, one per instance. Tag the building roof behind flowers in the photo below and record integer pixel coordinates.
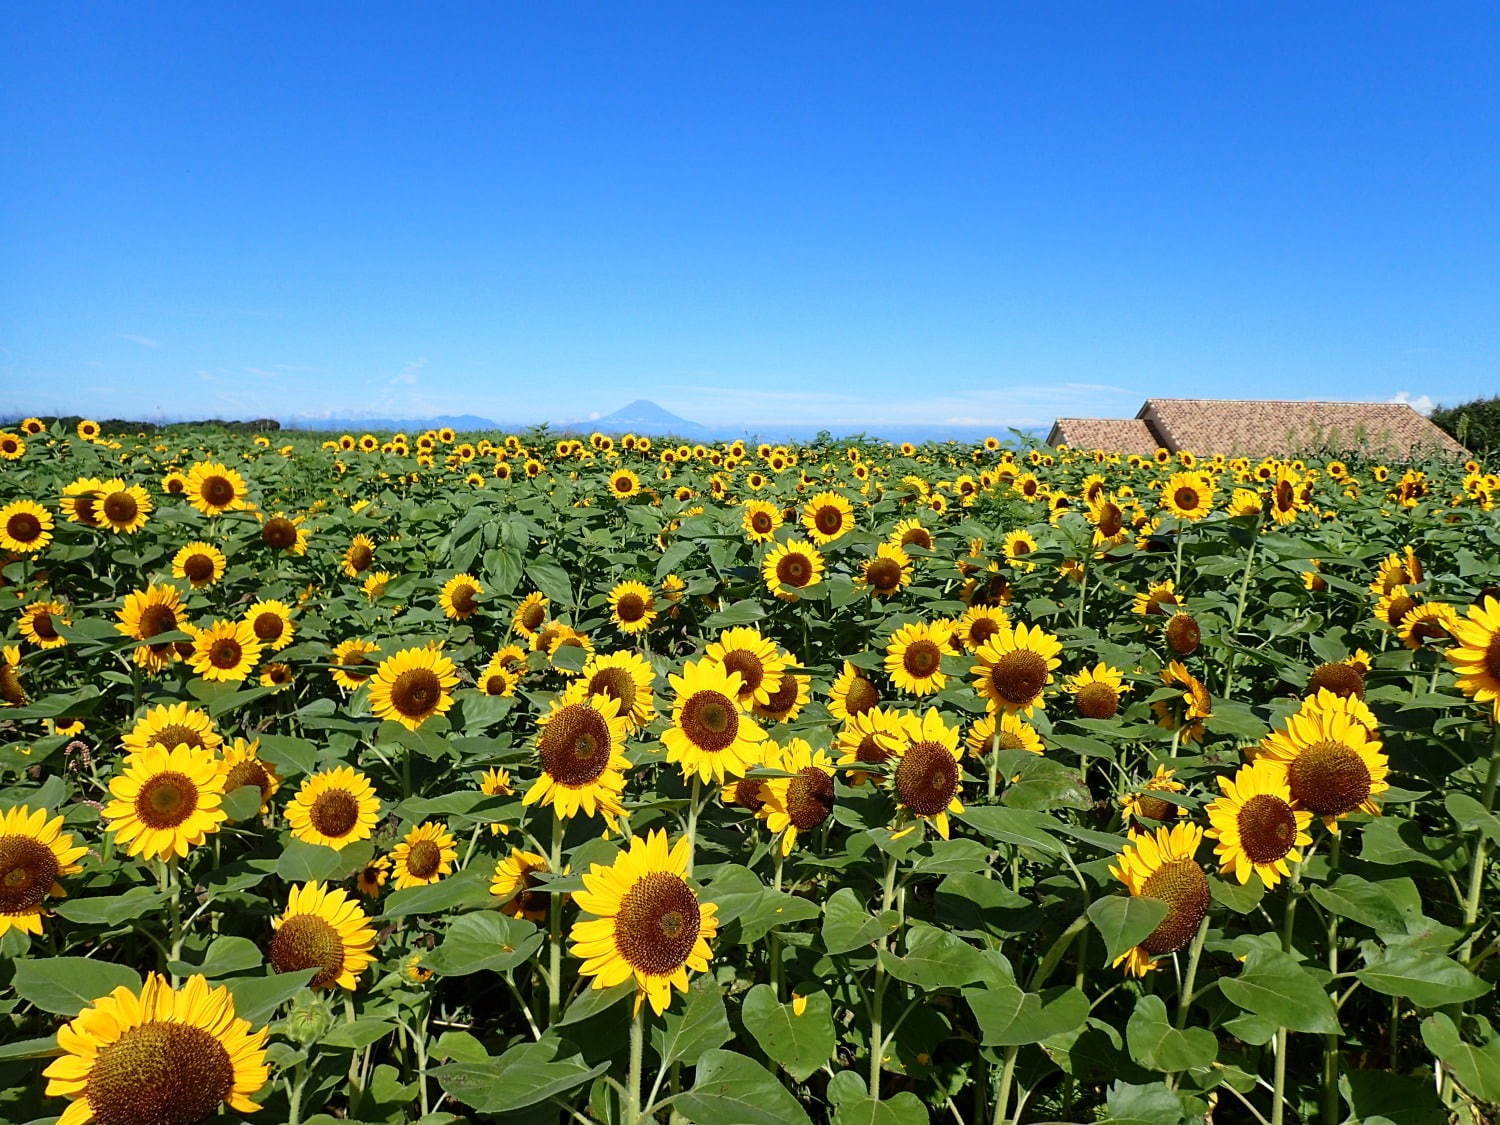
(1117, 435)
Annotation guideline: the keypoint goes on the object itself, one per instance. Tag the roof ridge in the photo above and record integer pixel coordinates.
(1287, 401)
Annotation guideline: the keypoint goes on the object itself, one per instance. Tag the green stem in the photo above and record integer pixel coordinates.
(877, 998)
(1239, 616)
(1278, 1090)
(554, 927)
(692, 823)
(1331, 1042)
(1194, 955)
(1007, 1080)
(775, 948)
(994, 758)
(637, 1040)
(1481, 849)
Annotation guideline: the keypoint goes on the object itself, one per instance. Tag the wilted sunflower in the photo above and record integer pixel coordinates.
(424, 855)
(914, 656)
(648, 921)
(35, 853)
(334, 808)
(802, 802)
(1332, 763)
(1096, 691)
(852, 693)
(1015, 666)
(241, 764)
(80, 501)
(886, 573)
(25, 527)
(39, 622)
(515, 884)
(928, 777)
(790, 567)
(322, 928)
(413, 685)
(1160, 865)
(163, 1055)
(1255, 825)
(152, 612)
(225, 651)
(165, 802)
(459, 597)
(172, 724)
(352, 667)
(760, 521)
(580, 748)
(202, 564)
(759, 662)
(1015, 734)
(214, 488)
(123, 508)
(627, 678)
(359, 556)
(271, 622)
(1189, 496)
(710, 735)
(827, 516)
(1191, 710)
(1476, 658)
(632, 607)
(1144, 805)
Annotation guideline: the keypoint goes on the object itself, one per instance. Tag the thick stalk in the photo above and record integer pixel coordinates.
(994, 758)
(1481, 849)
(692, 823)
(1007, 1080)
(775, 941)
(633, 1083)
(877, 998)
(1331, 1042)
(1194, 955)
(1278, 1089)
(554, 927)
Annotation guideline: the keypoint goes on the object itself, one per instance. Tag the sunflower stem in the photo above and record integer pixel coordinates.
(1239, 616)
(994, 759)
(637, 1042)
(1331, 1042)
(775, 947)
(554, 927)
(1007, 1080)
(1278, 1090)
(692, 822)
(877, 998)
(1186, 999)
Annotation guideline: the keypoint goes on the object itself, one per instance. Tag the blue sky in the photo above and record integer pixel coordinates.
(844, 214)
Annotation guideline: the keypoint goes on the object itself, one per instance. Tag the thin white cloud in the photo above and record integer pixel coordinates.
(1422, 404)
(143, 341)
(408, 374)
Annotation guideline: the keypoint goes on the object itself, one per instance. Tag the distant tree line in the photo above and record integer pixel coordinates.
(1473, 424)
(131, 426)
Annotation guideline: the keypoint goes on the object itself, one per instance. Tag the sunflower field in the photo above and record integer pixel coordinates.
(430, 778)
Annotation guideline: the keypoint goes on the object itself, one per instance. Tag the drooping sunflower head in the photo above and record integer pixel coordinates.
(459, 597)
(334, 808)
(1401, 568)
(1014, 667)
(515, 884)
(1257, 829)
(914, 656)
(579, 748)
(165, 802)
(424, 855)
(1187, 712)
(632, 606)
(1160, 865)
(710, 735)
(1096, 691)
(35, 853)
(413, 685)
(1183, 633)
(927, 778)
(790, 567)
(322, 928)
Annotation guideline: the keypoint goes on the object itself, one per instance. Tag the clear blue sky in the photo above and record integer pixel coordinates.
(816, 213)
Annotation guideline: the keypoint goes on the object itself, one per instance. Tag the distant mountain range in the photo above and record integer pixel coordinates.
(645, 417)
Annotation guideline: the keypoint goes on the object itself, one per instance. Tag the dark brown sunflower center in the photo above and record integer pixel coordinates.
(198, 567)
(918, 536)
(1286, 496)
(794, 570)
(861, 696)
(1019, 676)
(416, 692)
(360, 557)
(1186, 498)
(927, 778)
(1492, 657)
(870, 750)
(657, 923)
(1267, 828)
(176, 485)
(83, 508)
(306, 941)
(922, 658)
(176, 734)
(334, 813)
(747, 664)
(981, 630)
(465, 599)
(1399, 607)
(575, 745)
(42, 624)
(617, 684)
(217, 491)
(532, 616)
(1097, 701)
(710, 720)
(1154, 808)
(1344, 680)
(423, 859)
(156, 620)
(809, 798)
(1183, 634)
(279, 533)
(531, 900)
(1111, 520)
(226, 653)
(1020, 547)
(1329, 778)
(631, 608)
(883, 575)
(278, 673)
(761, 522)
(496, 684)
(248, 772)
(27, 871)
(166, 800)
(120, 507)
(355, 666)
(782, 700)
(268, 625)
(749, 794)
(160, 1073)
(1182, 885)
(23, 527)
(828, 519)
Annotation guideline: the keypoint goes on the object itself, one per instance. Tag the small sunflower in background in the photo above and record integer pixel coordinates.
(648, 922)
(214, 488)
(1015, 733)
(826, 517)
(165, 802)
(498, 679)
(25, 527)
(1015, 666)
(459, 597)
(1187, 712)
(352, 666)
(1160, 865)
(1146, 805)
(88, 429)
(1189, 496)
(1256, 828)
(271, 621)
(412, 686)
(1159, 597)
(514, 882)
(39, 622)
(623, 484)
(322, 928)
(424, 855)
(914, 656)
(1016, 546)
(760, 521)
(800, 803)
(359, 556)
(334, 808)
(33, 427)
(759, 663)
(790, 567)
(1476, 659)
(627, 678)
(285, 533)
(375, 584)
(174, 483)
(530, 615)
(710, 736)
(886, 573)
(225, 652)
(370, 879)
(580, 748)
(201, 564)
(168, 725)
(277, 675)
(632, 607)
(928, 776)
(158, 1054)
(35, 853)
(1096, 691)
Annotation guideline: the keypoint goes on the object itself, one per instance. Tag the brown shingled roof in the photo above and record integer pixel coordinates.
(1118, 435)
(1262, 428)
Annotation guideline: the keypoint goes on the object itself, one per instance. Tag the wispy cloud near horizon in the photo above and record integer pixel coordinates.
(143, 341)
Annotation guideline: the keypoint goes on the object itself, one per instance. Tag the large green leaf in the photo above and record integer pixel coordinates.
(1428, 980)
(852, 1105)
(849, 924)
(1477, 1068)
(801, 1043)
(934, 958)
(257, 998)
(484, 940)
(1275, 986)
(110, 910)
(65, 986)
(1124, 921)
(1157, 1045)
(1010, 1016)
(521, 1077)
(730, 1089)
(701, 1024)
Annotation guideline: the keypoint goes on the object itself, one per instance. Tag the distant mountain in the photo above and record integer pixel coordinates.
(643, 417)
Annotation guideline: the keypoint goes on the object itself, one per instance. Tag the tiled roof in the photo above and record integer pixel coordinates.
(1261, 428)
(1118, 435)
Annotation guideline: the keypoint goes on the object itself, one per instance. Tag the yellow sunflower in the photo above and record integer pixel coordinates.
(515, 884)
(1160, 865)
(352, 666)
(370, 879)
(979, 623)
(623, 484)
(1401, 568)
(285, 533)
(271, 621)
(241, 764)
(149, 613)
(334, 808)
(627, 678)
(460, 596)
(557, 635)
(1015, 734)
(80, 501)
(914, 656)
(927, 778)
(214, 488)
(710, 735)
(165, 801)
(162, 1055)
(498, 679)
(226, 651)
(758, 661)
(1255, 825)
(277, 676)
(1394, 605)
(359, 556)
(39, 622)
(1189, 496)
(886, 573)
(25, 527)
(648, 921)
(322, 928)
(632, 607)
(792, 566)
(424, 855)
(787, 701)
(1476, 657)
(800, 803)
(530, 615)
(827, 516)
(1188, 711)
(123, 508)
(852, 693)
(1143, 804)
(760, 521)
(1331, 762)
(1156, 596)
(202, 564)
(580, 748)
(1015, 666)
(35, 853)
(910, 533)
(413, 685)
(375, 583)
(172, 724)
(12, 446)
(1018, 544)
(1096, 691)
